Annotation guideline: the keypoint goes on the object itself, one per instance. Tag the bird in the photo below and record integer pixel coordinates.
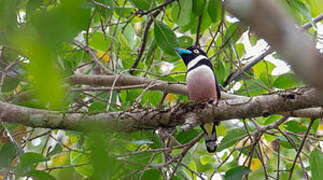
(202, 84)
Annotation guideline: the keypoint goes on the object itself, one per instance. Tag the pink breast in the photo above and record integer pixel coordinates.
(201, 85)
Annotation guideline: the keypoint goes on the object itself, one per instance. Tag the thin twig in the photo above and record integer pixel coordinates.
(278, 158)
(64, 167)
(300, 150)
(156, 8)
(197, 43)
(144, 40)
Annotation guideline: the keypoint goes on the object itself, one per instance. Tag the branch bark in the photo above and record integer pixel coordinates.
(149, 118)
(126, 80)
(274, 25)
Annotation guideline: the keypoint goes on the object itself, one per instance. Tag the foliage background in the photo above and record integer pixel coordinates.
(43, 42)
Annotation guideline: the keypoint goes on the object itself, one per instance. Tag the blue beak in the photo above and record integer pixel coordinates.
(180, 51)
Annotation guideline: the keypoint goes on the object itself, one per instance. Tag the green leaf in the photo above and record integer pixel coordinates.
(70, 16)
(253, 86)
(191, 165)
(151, 174)
(316, 163)
(175, 12)
(124, 11)
(240, 49)
(285, 143)
(152, 48)
(57, 149)
(261, 67)
(104, 165)
(128, 34)
(186, 12)
(198, 7)
(138, 161)
(32, 6)
(272, 119)
(295, 126)
(39, 175)
(267, 79)
(127, 60)
(316, 7)
(142, 4)
(8, 18)
(287, 80)
(9, 84)
(220, 71)
(233, 32)
(41, 38)
(185, 137)
(99, 42)
(165, 37)
(7, 154)
(269, 138)
(80, 158)
(205, 23)
(231, 138)
(236, 173)
(152, 97)
(315, 125)
(206, 158)
(253, 40)
(157, 143)
(132, 94)
(221, 131)
(215, 10)
(97, 106)
(302, 8)
(28, 160)
(185, 41)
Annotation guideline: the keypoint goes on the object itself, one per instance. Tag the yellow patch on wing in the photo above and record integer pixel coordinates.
(208, 127)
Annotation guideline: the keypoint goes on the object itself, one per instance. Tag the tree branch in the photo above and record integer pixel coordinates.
(126, 80)
(144, 40)
(149, 118)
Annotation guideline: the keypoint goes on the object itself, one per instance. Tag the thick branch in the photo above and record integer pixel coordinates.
(145, 118)
(271, 23)
(312, 113)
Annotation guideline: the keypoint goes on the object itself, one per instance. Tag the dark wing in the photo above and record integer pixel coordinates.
(218, 90)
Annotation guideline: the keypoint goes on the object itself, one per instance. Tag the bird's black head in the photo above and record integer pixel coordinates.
(189, 53)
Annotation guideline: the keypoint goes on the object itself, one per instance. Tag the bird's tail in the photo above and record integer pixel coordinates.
(210, 136)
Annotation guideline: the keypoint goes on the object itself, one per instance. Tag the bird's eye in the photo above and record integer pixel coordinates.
(196, 51)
